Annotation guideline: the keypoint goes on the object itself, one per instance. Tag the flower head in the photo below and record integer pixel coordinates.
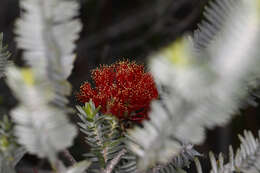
(123, 89)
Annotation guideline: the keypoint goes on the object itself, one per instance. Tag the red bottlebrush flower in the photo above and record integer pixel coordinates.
(123, 89)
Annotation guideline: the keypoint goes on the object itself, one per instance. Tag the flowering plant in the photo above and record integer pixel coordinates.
(201, 82)
(122, 89)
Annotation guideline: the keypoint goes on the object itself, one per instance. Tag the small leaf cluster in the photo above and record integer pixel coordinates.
(105, 137)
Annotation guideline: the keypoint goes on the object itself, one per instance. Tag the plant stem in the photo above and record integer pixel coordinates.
(69, 157)
(114, 161)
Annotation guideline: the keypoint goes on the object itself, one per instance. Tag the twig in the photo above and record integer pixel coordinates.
(129, 24)
(69, 157)
(163, 21)
(114, 161)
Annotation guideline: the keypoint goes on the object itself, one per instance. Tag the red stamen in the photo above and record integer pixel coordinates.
(122, 89)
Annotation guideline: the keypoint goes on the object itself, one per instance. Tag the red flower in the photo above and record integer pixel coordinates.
(123, 89)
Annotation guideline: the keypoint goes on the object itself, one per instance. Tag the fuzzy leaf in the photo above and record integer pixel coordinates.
(49, 44)
(202, 85)
(43, 129)
(186, 156)
(4, 55)
(246, 159)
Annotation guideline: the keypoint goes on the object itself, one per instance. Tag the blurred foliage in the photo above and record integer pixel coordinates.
(132, 29)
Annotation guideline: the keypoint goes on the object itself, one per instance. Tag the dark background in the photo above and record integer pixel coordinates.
(127, 29)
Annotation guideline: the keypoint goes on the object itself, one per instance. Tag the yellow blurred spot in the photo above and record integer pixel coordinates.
(4, 144)
(28, 76)
(258, 5)
(177, 54)
(10, 158)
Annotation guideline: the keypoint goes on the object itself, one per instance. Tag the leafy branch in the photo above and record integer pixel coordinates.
(246, 159)
(4, 56)
(201, 85)
(104, 136)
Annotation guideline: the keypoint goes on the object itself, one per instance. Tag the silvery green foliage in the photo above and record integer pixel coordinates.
(5, 167)
(18, 155)
(178, 162)
(47, 31)
(9, 160)
(215, 20)
(9, 149)
(41, 128)
(105, 138)
(185, 157)
(246, 159)
(10, 152)
(202, 85)
(4, 55)
(153, 144)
